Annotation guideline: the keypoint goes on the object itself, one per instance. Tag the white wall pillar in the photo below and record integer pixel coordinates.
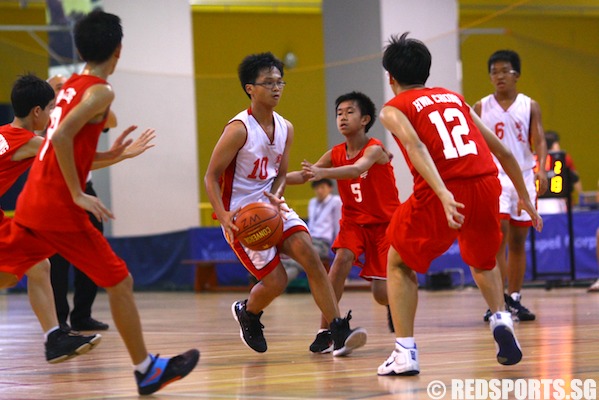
(154, 84)
(435, 23)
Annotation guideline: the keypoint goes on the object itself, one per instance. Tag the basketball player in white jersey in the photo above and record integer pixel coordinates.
(516, 120)
(249, 164)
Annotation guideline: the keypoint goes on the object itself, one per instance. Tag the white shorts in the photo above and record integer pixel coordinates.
(508, 200)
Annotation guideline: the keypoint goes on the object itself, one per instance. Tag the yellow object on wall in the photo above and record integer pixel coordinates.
(19, 52)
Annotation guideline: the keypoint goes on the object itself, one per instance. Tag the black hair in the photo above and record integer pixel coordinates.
(551, 137)
(98, 35)
(364, 103)
(408, 61)
(252, 65)
(505, 55)
(324, 181)
(28, 92)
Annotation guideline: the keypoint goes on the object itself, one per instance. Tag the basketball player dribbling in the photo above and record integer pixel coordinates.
(249, 164)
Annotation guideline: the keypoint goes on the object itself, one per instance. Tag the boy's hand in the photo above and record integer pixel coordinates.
(537, 220)
(454, 218)
(95, 206)
(309, 170)
(227, 221)
(120, 144)
(541, 176)
(141, 144)
(279, 203)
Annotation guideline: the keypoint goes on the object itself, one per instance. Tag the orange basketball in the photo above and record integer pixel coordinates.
(260, 226)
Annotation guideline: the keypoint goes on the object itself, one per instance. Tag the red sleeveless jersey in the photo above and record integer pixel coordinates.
(370, 198)
(45, 202)
(11, 139)
(443, 123)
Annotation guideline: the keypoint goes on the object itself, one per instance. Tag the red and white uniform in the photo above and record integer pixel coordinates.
(249, 175)
(419, 229)
(369, 202)
(47, 221)
(11, 139)
(512, 127)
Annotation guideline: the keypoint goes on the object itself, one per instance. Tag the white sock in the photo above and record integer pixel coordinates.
(321, 330)
(46, 334)
(406, 342)
(516, 296)
(143, 366)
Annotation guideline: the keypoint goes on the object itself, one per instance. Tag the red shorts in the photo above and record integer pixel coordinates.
(370, 240)
(420, 233)
(21, 248)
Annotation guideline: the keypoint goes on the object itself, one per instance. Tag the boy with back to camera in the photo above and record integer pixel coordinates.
(448, 150)
(366, 184)
(32, 101)
(249, 164)
(51, 210)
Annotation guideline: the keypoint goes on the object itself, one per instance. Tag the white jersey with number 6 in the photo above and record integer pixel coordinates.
(512, 127)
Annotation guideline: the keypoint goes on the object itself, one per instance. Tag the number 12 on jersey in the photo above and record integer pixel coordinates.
(454, 145)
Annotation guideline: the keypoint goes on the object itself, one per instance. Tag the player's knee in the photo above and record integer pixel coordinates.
(406, 272)
(276, 281)
(125, 285)
(40, 270)
(344, 256)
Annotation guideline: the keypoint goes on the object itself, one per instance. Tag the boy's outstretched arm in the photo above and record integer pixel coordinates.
(301, 176)
(372, 155)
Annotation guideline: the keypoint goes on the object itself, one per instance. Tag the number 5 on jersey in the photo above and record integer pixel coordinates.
(357, 191)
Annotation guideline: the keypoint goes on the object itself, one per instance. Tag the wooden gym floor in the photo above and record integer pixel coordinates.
(453, 341)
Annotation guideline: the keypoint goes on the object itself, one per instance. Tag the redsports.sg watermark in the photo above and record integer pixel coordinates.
(525, 389)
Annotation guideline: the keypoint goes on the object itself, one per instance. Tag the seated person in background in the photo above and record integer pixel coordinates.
(558, 206)
(324, 213)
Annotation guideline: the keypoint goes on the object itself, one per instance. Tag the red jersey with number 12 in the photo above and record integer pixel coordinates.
(370, 198)
(443, 123)
(46, 201)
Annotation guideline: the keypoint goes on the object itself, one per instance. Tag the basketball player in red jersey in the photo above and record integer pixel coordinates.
(456, 192)
(32, 101)
(51, 211)
(362, 168)
(249, 164)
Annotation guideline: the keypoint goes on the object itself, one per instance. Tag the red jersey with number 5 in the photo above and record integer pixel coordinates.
(46, 202)
(370, 198)
(443, 123)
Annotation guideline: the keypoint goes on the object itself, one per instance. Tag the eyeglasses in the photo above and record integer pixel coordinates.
(503, 72)
(271, 84)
